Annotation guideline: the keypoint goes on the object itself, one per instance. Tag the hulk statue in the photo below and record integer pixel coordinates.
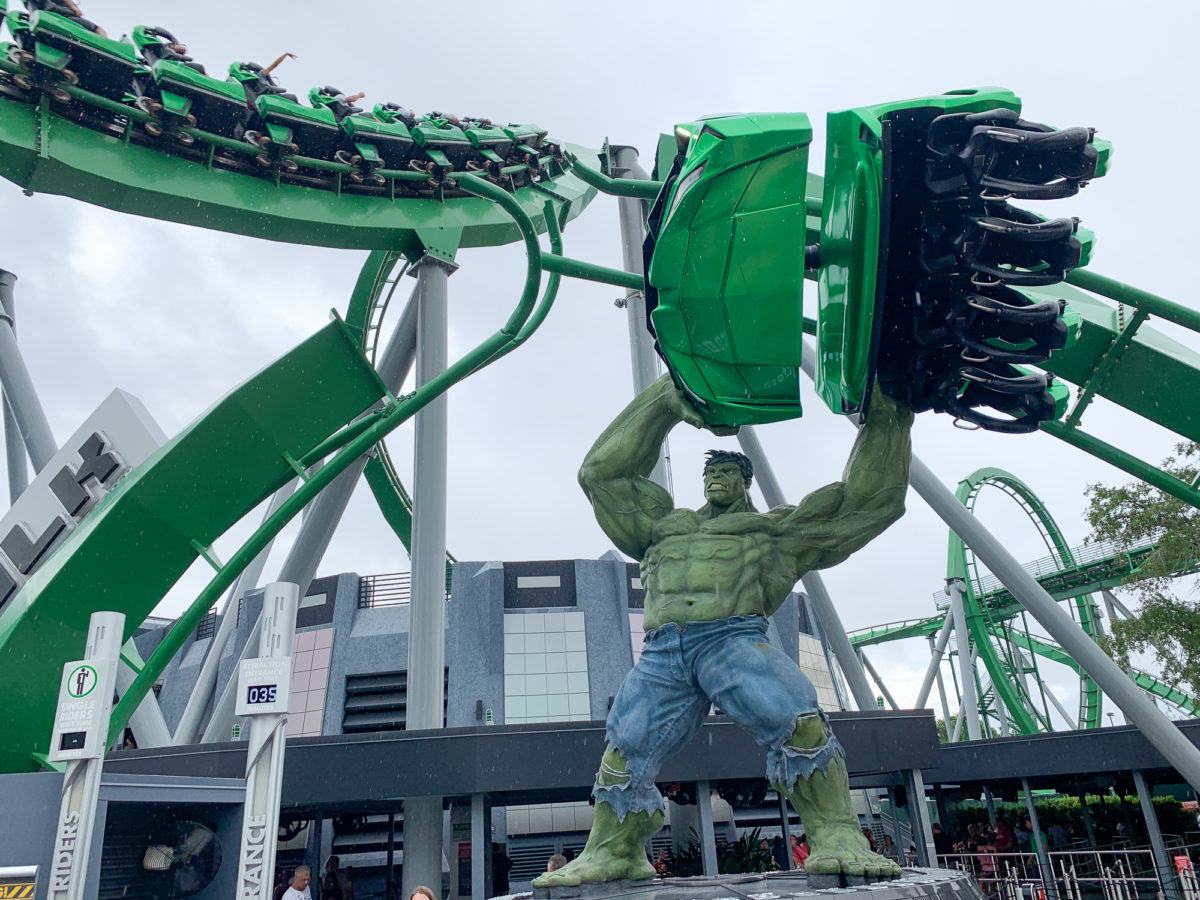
(712, 576)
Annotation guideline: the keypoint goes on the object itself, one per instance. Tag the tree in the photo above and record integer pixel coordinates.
(1167, 622)
(946, 729)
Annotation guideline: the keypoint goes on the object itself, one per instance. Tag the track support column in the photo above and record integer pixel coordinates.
(1043, 855)
(708, 832)
(642, 358)
(14, 446)
(426, 637)
(18, 386)
(966, 668)
(1162, 861)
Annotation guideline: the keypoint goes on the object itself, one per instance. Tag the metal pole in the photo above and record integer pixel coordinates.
(206, 678)
(1043, 855)
(785, 830)
(887, 695)
(1138, 709)
(918, 815)
(937, 651)
(390, 884)
(427, 611)
(316, 531)
(1114, 605)
(940, 685)
(1086, 811)
(19, 389)
(14, 446)
(265, 747)
(1162, 862)
(481, 847)
(897, 836)
(966, 662)
(643, 359)
(708, 833)
(990, 802)
(814, 585)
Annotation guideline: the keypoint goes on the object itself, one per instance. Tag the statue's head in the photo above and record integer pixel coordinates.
(727, 477)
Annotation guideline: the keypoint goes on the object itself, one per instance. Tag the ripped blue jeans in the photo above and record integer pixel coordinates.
(664, 701)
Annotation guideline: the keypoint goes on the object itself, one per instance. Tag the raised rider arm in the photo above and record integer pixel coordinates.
(614, 474)
(834, 521)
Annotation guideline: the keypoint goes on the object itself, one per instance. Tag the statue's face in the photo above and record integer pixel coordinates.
(723, 483)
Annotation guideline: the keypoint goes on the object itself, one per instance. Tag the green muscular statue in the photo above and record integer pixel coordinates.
(712, 576)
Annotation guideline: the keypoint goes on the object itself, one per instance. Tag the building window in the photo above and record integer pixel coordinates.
(310, 675)
(814, 665)
(545, 668)
(637, 634)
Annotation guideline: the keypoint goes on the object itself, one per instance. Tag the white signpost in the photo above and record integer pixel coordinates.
(85, 699)
(264, 688)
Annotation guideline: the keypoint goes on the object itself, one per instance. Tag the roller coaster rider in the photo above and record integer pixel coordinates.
(67, 9)
(261, 81)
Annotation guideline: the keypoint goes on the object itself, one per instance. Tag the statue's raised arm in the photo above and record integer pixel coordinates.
(840, 518)
(615, 473)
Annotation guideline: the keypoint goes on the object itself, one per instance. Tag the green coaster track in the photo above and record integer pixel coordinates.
(999, 629)
(137, 127)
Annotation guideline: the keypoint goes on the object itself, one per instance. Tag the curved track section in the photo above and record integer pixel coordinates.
(991, 634)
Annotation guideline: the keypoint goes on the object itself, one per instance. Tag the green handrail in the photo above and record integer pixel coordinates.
(394, 414)
(1136, 297)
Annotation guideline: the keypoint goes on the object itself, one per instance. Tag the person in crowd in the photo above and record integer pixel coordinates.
(870, 836)
(281, 884)
(889, 850)
(501, 866)
(660, 863)
(420, 892)
(942, 844)
(331, 881)
(780, 853)
(556, 862)
(298, 889)
(799, 850)
(1005, 841)
(987, 861)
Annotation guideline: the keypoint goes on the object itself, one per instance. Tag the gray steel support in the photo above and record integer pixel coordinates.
(1139, 710)
(1162, 861)
(316, 531)
(937, 651)
(427, 611)
(897, 835)
(990, 803)
(1086, 811)
(785, 829)
(966, 669)
(887, 695)
(1043, 855)
(206, 679)
(18, 386)
(1062, 710)
(814, 585)
(918, 817)
(147, 723)
(642, 358)
(942, 696)
(1114, 606)
(390, 880)
(708, 832)
(14, 446)
(481, 847)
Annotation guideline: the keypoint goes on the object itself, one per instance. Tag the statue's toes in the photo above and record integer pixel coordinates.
(822, 865)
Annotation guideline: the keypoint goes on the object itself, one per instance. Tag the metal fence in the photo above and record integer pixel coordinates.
(1123, 874)
(208, 626)
(392, 589)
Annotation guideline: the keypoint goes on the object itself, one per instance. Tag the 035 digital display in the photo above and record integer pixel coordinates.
(261, 693)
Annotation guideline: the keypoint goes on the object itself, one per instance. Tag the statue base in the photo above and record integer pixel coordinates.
(914, 884)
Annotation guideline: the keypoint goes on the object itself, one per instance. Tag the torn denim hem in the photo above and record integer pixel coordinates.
(786, 764)
(630, 798)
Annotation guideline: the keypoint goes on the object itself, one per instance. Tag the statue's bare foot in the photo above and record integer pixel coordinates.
(595, 866)
(841, 851)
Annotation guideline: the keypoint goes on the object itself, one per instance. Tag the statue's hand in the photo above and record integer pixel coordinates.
(885, 408)
(679, 405)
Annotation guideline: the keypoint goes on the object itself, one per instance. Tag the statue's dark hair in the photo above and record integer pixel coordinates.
(715, 457)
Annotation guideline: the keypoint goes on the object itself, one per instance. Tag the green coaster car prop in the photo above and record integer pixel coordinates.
(446, 147)
(63, 49)
(725, 265)
(492, 143)
(923, 259)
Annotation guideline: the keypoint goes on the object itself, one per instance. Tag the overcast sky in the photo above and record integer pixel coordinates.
(178, 316)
